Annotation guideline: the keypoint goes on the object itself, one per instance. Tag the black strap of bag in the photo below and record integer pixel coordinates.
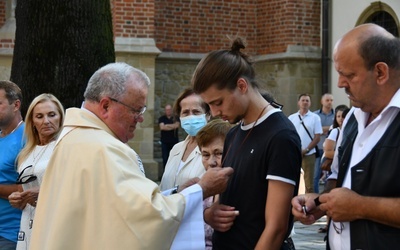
(337, 136)
(316, 147)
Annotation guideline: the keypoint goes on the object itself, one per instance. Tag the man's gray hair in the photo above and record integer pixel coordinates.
(110, 80)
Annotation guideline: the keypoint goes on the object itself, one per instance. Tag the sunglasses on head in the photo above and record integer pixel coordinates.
(27, 178)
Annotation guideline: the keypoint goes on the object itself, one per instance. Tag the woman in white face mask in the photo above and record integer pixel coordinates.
(184, 161)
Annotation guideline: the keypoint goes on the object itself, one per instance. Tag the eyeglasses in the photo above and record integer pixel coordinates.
(27, 178)
(132, 109)
(338, 229)
(206, 156)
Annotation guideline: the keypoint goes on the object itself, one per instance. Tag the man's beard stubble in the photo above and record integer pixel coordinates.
(237, 119)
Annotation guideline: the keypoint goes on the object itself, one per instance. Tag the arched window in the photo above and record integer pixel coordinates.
(382, 15)
(384, 19)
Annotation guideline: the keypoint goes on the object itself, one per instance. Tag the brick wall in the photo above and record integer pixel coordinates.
(2, 12)
(133, 18)
(5, 42)
(287, 22)
(268, 26)
(200, 26)
(203, 25)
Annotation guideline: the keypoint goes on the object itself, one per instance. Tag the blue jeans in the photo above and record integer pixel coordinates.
(6, 244)
(317, 172)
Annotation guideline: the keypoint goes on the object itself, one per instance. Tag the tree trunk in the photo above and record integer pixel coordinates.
(59, 44)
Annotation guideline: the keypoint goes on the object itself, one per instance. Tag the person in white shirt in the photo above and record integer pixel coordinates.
(308, 126)
(327, 115)
(364, 197)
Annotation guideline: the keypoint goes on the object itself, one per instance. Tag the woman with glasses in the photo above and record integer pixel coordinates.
(184, 161)
(210, 140)
(43, 121)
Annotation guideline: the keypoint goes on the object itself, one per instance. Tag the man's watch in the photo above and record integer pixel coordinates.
(317, 202)
(307, 150)
(175, 190)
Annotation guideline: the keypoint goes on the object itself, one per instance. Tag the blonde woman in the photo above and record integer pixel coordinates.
(43, 124)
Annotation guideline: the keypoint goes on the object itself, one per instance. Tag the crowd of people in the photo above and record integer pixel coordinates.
(69, 180)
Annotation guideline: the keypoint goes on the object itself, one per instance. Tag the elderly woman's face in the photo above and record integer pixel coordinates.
(191, 105)
(211, 153)
(46, 119)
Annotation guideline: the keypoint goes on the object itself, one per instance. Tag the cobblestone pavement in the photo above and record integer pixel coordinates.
(306, 237)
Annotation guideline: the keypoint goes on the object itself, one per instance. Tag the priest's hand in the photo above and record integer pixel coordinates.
(215, 180)
(188, 183)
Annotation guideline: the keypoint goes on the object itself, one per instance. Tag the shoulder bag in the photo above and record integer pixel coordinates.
(317, 155)
(326, 163)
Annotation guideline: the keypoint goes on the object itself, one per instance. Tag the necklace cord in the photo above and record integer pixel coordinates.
(247, 135)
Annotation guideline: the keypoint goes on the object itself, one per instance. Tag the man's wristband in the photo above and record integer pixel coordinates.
(317, 202)
(175, 190)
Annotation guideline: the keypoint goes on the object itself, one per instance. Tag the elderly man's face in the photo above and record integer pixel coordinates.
(122, 119)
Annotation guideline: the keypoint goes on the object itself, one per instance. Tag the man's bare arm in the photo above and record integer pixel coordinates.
(168, 127)
(6, 190)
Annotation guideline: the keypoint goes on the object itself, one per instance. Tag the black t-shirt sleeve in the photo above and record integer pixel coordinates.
(285, 160)
(161, 120)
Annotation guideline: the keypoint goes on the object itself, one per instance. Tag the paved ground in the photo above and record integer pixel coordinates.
(307, 237)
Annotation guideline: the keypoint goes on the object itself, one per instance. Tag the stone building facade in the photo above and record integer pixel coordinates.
(167, 38)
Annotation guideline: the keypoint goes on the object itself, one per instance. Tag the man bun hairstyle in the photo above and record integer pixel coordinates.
(223, 68)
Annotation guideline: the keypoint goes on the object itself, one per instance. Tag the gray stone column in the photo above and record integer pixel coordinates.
(8, 29)
(7, 35)
(141, 53)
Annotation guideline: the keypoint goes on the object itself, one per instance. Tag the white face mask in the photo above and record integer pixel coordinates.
(193, 123)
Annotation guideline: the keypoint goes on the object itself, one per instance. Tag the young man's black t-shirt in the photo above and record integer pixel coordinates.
(272, 150)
